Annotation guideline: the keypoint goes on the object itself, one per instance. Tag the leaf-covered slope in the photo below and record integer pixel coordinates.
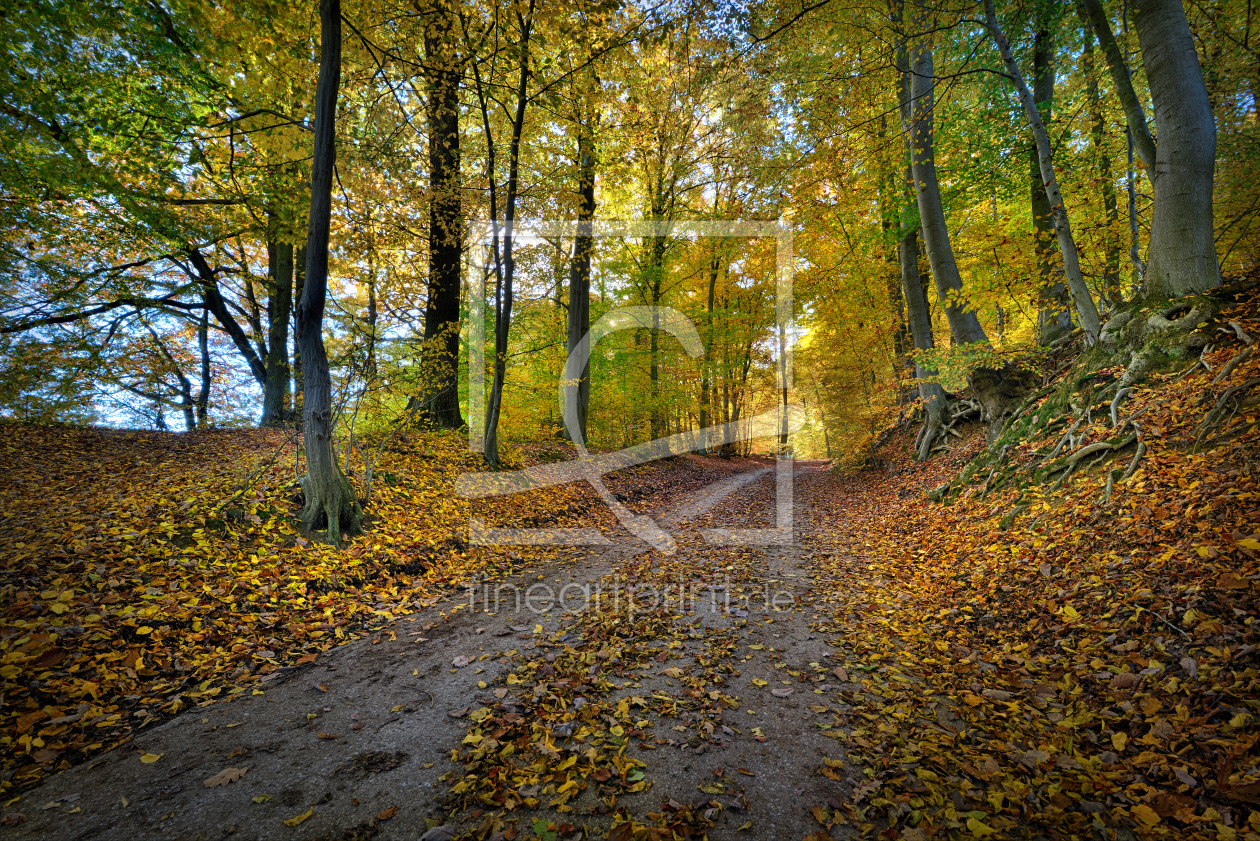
(1063, 655)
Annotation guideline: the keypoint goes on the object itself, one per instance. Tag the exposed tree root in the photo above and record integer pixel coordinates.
(1230, 400)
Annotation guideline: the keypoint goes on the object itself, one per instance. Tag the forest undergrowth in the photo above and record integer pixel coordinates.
(1067, 656)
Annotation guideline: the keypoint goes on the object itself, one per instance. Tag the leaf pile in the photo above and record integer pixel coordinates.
(1051, 659)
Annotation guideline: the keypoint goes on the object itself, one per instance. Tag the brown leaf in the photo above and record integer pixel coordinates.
(1230, 581)
(839, 672)
(1124, 680)
(227, 775)
(386, 814)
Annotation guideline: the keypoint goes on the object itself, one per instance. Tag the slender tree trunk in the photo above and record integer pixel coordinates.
(504, 277)
(369, 364)
(330, 501)
(299, 284)
(1053, 319)
(446, 220)
(579, 316)
(655, 284)
(963, 323)
(279, 302)
(918, 316)
(203, 347)
(1183, 245)
(1085, 307)
(1098, 137)
(706, 370)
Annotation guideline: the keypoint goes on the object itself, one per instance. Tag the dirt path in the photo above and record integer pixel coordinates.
(728, 720)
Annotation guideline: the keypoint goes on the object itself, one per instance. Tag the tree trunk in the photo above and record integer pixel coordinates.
(918, 316)
(330, 501)
(963, 323)
(299, 285)
(579, 318)
(1085, 307)
(279, 302)
(706, 371)
(1053, 319)
(1098, 136)
(505, 272)
(446, 222)
(1183, 246)
(203, 347)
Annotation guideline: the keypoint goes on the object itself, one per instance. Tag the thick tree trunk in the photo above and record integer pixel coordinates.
(1183, 246)
(446, 222)
(1085, 307)
(579, 317)
(279, 302)
(330, 501)
(1053, 319)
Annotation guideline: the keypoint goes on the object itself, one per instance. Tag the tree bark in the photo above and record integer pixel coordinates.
(279, 302)
(330, 501)
(1053, 319)
(1183, 245)
(446, 220)
(579, 316)
(1081, 297)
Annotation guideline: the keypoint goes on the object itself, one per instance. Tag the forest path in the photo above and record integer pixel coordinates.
(358, 740)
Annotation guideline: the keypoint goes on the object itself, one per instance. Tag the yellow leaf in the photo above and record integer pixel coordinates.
(979, 829)
(1119, 740)
(150, 758)
(759, 682)
(1145, 814)
(297, 819)
(1250, 543)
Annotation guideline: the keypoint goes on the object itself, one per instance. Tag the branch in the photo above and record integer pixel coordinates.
(131, 301)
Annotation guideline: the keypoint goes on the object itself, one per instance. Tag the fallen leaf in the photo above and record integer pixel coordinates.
(297, 819)
(227, 775)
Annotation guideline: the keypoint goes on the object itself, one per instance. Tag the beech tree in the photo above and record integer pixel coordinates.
(330, 501)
